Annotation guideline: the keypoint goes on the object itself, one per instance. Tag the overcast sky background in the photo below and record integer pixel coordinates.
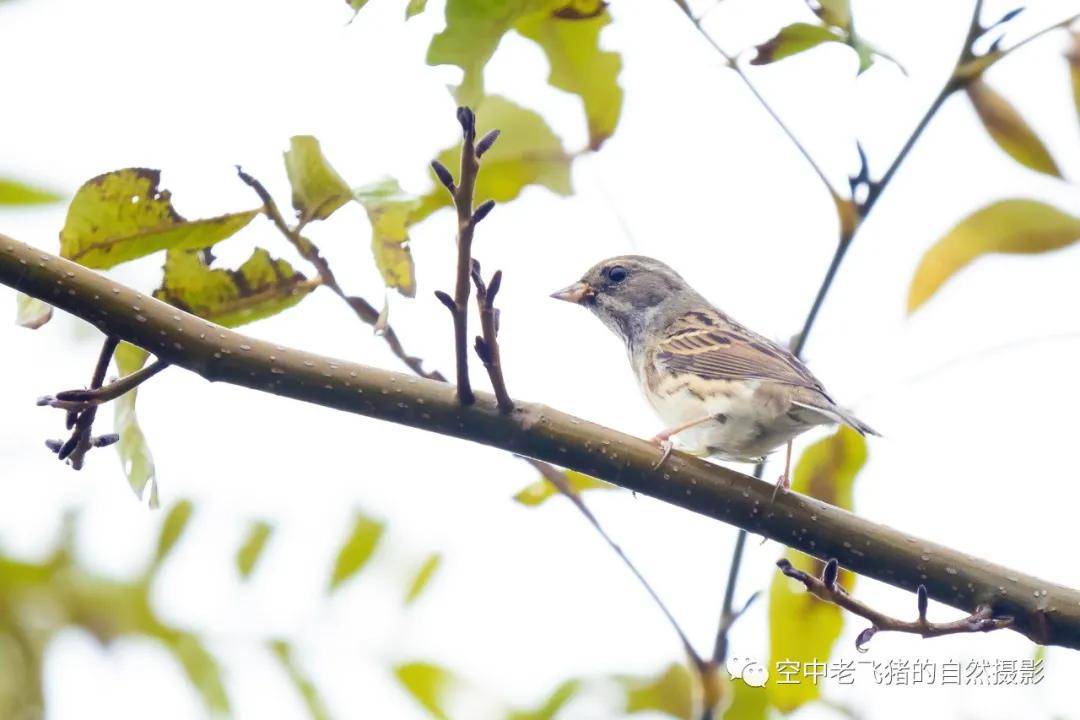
(975, 394)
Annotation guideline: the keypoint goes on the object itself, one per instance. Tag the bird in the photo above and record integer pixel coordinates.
(724, 390)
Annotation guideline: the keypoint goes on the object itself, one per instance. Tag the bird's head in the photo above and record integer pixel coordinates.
(625, 292)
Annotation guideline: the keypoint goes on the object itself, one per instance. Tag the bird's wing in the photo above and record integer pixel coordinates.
(710, 345)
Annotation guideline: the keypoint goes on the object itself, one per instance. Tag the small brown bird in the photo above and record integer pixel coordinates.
(725, 390)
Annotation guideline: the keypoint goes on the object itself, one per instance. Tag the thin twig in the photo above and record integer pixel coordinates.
(487, 346)
(828, 589)
(80, 400)
(310, 252)
(81, 422)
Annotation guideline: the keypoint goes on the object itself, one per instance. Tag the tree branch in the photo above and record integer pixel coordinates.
(80, 400)
(1045, 612)
(487, 345)
(826, 588)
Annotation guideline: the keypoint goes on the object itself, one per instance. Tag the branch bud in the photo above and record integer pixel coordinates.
(486, 142)
(446, 300)
(494, 285)
(482, 350)
(467, 118)
(828, 575)
(923, 602)
(105, 440)
(54, 445)
(444, 175)
(864, 637)
(482, 211)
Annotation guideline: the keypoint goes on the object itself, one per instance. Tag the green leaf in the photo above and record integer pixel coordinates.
(135, 455)
(429, 684)
(317, 189)
(802, 628)
(538, 492)
(422, 577)
(747, 702)
(1073, 57)
(202, 671)
(570, 38)
(312, 700)
(669, 693)
(1015, 226)
(834, 12)
(261, 287)
(13, 192)
(30, 312)
(123, 215)
(251, 550)
(527, 153)
(792, 40)
(1009, 130)
(415, 7)
(390, 211)
(474, 29)
(357, 550)
(172, 528)
(551, 707)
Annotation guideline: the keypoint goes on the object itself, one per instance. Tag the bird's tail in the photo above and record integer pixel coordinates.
(842, 415)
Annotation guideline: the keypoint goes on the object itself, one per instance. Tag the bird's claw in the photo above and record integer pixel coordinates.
(782, 483)
(665, 445)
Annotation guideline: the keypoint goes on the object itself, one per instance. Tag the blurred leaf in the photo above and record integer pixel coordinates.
(135, 455)
(415, 7)
(172, 528)
(422, 577)
(123, 215)
(389, 210)
(1073, 57)
(30, 312)
(551, 707)
(792, 40)
(747, 703)
(539, 491)
(202, 670)
(13, 192)
(357, 549)
(1014, 226)
(801, 627)
(251, 549)
(312, 700)
(1009, 130)
(317, 189)
(570, 38)
(833, 12)
(526, 153)
(429, 684)
(261, 287)
(669, 693)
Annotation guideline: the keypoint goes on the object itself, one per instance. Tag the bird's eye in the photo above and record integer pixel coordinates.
(617, 274)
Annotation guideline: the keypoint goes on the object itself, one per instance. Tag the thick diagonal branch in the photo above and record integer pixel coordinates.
(1045, 612)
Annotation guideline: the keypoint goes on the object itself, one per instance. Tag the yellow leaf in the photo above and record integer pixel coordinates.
(313, 701)
(1015, 226)
(357, 550)
(526, 153)
(261, 287)
(252, 548)
(538, 492)
(13, 192)
(803, 629)
(670, 693)
(31, 313)
(172, 528)
(422, 577)
(570, 38)
(552, 705)
(835, 12)
(1009, 130)
(1073, 57)
(317, 189)
(792, 40)
(390, 211)
(429, 684)
(123, 215)
(135, 455)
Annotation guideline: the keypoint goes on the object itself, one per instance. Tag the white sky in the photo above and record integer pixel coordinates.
(975, 456)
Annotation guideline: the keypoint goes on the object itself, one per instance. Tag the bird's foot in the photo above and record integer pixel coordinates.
(782, 483)
(665, 444)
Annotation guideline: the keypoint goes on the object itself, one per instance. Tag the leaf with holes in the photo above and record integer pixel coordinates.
(135, 455)
(124, 215)
(423, 576)
(802, 628)
(30, 312)
(357, 550)
(261, 287)
(317, 189)
(527, 153)
(15, 193)
(390, 211)
(1015, 226)
(1009, 130)
(538, 492)
(252, 548)
(570, 38)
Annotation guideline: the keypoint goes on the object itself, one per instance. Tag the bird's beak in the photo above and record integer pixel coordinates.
(577, 293)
